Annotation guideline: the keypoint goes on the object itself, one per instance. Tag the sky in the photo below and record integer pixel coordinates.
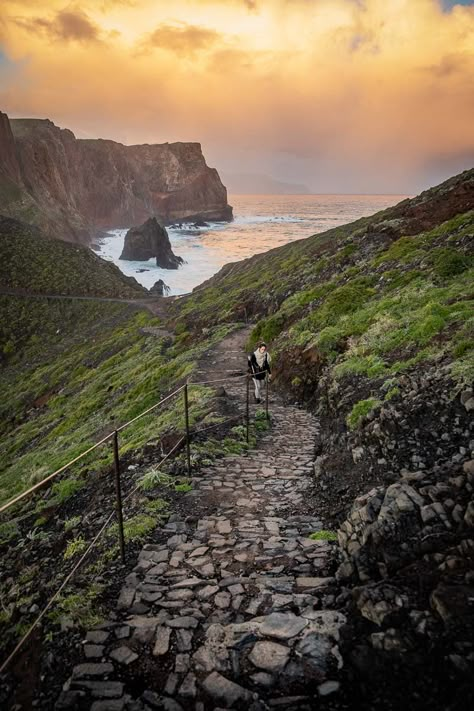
(344, 96)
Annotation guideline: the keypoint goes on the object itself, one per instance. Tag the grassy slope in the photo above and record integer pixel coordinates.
(363, 299)
(94, 369)
(38, 264)
(73, 370)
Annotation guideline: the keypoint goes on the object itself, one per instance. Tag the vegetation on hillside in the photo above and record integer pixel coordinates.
(93, 368)
(363, 299)
(34, 263)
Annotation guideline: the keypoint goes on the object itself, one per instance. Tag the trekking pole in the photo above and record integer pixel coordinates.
(247, 407)
(118, 492)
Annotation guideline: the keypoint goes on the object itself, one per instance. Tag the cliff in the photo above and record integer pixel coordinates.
(72, 188)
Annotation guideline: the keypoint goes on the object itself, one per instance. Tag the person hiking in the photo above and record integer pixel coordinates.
(259, 366)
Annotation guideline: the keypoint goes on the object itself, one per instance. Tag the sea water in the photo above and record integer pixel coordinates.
(261, 222)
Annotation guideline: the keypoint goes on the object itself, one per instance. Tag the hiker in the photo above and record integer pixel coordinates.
(259, 366)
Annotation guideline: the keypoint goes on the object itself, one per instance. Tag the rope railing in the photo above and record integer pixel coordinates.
(70, 575)
(118, 482)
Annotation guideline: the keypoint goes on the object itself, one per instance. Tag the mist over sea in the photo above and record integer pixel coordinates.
(261, 222)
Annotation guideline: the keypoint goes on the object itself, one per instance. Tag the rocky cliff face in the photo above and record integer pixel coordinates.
(74, 187)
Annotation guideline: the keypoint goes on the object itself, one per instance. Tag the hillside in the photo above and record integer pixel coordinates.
(360, 318)
(38, 264)
(72, 188)
(370, 326)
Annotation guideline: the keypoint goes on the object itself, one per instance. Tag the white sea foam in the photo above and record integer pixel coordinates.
(261, 223)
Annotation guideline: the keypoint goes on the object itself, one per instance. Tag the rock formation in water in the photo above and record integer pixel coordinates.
(148, 241)
(72, 187)
(159, 288)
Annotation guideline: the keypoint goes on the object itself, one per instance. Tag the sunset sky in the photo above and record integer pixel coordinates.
(358, 96)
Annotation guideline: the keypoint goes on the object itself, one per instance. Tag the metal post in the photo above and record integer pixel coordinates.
(266, 395)
(186, 415)
(118, 491)
(247, 408)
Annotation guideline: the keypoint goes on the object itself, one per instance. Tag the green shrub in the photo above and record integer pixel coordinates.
(447, 262)
(324, 536)
(183, 486)
(462, 347)
(8, 531)
(157, 506)
(64, 489)
(360, 410)
(72, 523)
(151, 479)
(74, 547)
(138, 527)
(329, 338)
(403, 250)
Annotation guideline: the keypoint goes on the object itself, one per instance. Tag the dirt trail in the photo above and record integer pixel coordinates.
(158, 305)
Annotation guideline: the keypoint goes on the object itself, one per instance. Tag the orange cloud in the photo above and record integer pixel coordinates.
(180, 38)
(330, 93)
(67, 25)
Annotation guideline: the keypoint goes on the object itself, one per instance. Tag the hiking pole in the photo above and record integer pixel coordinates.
(247, 407)
(186, 415)
(118, 492)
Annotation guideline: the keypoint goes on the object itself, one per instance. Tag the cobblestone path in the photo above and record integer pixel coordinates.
(231, 610)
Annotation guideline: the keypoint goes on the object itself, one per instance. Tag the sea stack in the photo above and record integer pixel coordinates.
(148, 241)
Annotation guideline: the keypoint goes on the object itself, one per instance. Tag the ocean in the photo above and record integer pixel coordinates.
(261, 222)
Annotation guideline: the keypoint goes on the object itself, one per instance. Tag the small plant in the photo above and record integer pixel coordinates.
(74, 547)
(151, 479)
(8, 531)
(37, 474)
(447, 262)
(184, 487)
(157, 506)
(61, 491)
(36, 534)
(81, 607)
(324, 536)
(71, 523)
(360, 410)
(239, 431)
(136, 528)
(393, 392)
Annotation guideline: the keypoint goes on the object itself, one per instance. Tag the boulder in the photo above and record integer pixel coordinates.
(159, 288)
(148, 241)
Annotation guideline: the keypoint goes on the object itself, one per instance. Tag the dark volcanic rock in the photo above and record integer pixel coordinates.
(147, 241)
(160, 288)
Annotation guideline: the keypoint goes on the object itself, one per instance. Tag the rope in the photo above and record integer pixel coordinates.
(219, 380)
(56, 594)
(51, 476)
(78, 564)
(217, 424)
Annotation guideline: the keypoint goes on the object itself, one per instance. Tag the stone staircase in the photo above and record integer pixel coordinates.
(232, 610)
